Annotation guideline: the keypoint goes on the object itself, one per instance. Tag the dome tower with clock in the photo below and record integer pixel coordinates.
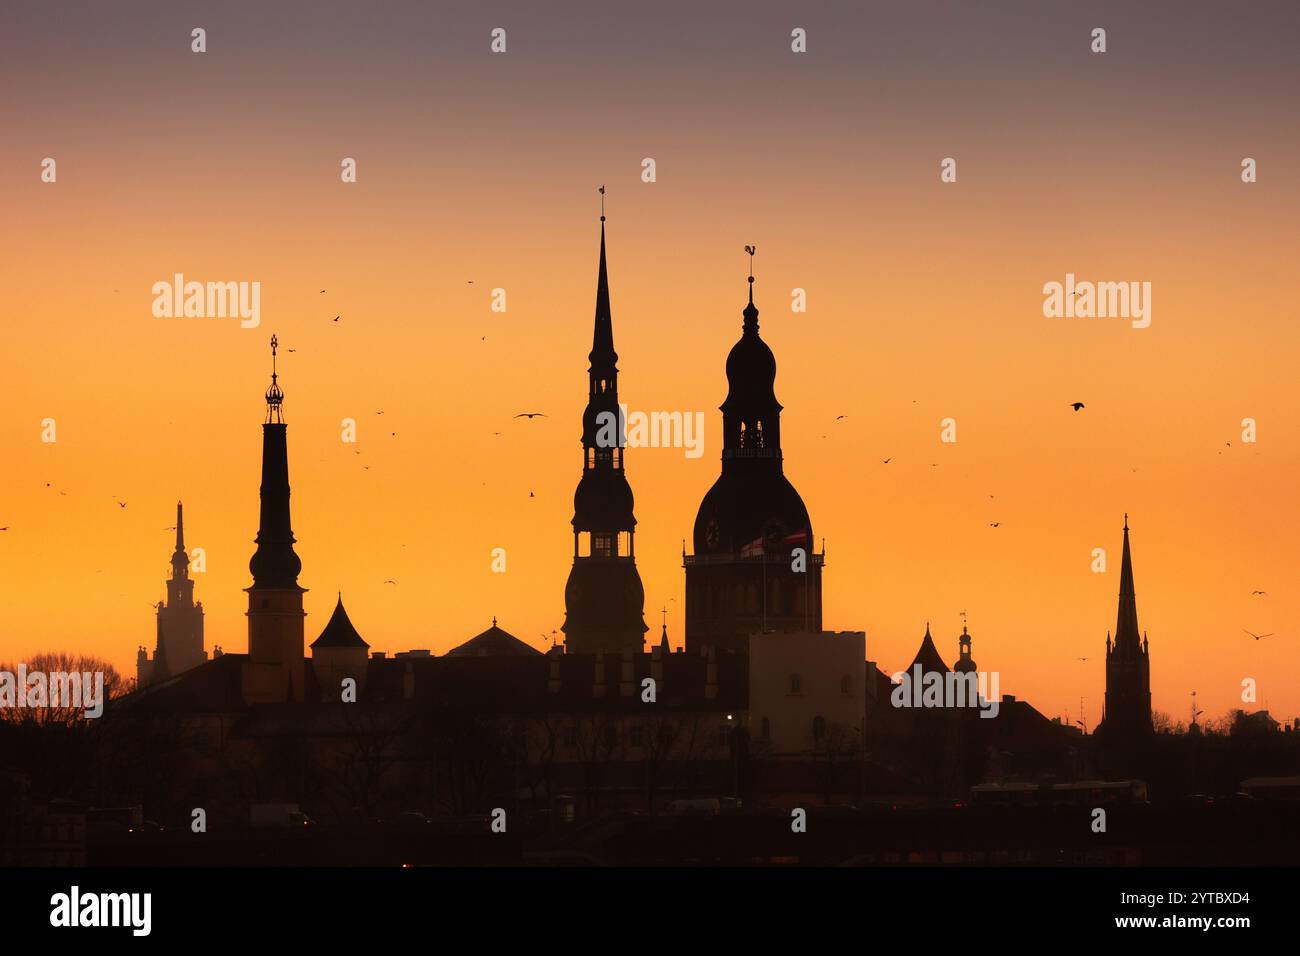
(604, 599)
(754, 569)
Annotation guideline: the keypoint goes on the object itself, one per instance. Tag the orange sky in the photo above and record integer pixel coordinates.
(924, 303)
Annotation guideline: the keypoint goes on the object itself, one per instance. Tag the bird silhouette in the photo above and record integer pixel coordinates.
(1253, 593)
(886, 461)
(121, 504)
(390, 581)
(838, 417)
(531, 415)
(1258, 637)
(531, 495)
(336, 318)
(1077, 406)
(994, 524)
(1083, 658)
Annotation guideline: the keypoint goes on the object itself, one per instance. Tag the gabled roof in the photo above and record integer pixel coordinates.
(494, 642)
(339, 632)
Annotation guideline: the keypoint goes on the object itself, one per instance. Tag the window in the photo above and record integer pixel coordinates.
(819, 727)
(602, 545)
(796, 684)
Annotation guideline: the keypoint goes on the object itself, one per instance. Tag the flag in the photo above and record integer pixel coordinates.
(753, 549)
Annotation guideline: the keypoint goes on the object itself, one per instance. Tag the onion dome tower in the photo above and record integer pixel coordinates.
(275, 670)
(964, 665)
(604, 599)
(754, 569)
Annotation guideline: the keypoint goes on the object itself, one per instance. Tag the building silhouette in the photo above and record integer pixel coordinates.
(746, 576)
(275, 615)
(604, 599)
(179, 642)
(1128, 664)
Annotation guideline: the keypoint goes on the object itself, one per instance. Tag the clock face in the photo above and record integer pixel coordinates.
(711, 534)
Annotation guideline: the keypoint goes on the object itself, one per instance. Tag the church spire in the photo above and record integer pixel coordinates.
(603, 358)
(1126, 625)
(274, 564)
(274, 672)
(604, 599)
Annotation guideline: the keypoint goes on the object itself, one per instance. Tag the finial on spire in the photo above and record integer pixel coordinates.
(602, 202)
(1126, 521)
(274, 394)
(751, 250)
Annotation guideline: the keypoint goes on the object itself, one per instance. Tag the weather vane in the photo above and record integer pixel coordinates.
(602, 202)
(751, 250)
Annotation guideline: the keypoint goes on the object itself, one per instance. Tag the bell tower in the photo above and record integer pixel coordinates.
(754, 569)
(274, 672)
(604, 599)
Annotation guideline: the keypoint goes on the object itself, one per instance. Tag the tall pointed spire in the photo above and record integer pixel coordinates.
(274, 564)
(603, 599)
(180, 557)
(1126, 625)
(602, 356)
(1128, 664)
(274, 671)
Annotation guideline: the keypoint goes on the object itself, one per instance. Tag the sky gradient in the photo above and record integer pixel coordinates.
(478, 171)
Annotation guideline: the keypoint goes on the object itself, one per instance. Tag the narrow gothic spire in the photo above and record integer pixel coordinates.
(603, 357)
(1126, 626)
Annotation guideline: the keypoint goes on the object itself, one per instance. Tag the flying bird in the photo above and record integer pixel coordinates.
(994, 524)
(390, 581)
(1253, 593)
(1083, 658)
(838, 417)
(531, 495)
(530, 415)
(1077, 406)
(121, 504)
(1258, 637)
(336, 318)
